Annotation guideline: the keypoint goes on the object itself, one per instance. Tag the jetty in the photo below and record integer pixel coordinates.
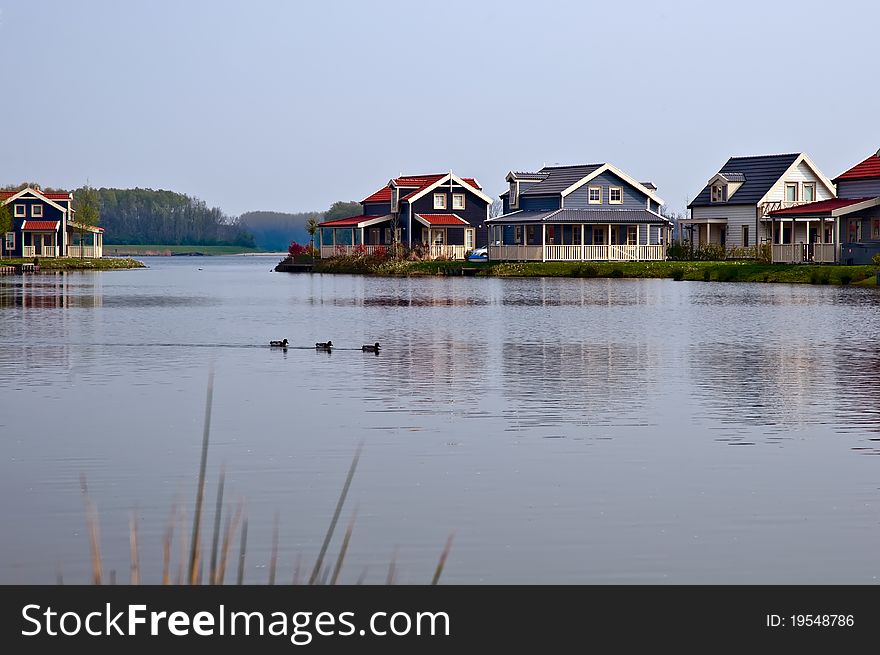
(297, 264)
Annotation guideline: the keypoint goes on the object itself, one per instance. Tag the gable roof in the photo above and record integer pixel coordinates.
(441, 219)
(870, 168)
(413, 184)
(832, 207)
(48, 198)
(758, 173)
(562, 180)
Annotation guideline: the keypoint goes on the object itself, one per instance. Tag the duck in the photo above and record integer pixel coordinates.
(371, 349)
(279, 344)
(324, 345)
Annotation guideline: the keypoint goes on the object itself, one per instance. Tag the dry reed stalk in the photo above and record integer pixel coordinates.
(195, 545)
(273, 560)
(133, 543)
(241, 552)
(345, 540)
(166, 547)
(218, 511)
(94, 536)
(443, 557)
(184, 547)
(392, 568)
(231, 527)
(296, 569)
(317, 570)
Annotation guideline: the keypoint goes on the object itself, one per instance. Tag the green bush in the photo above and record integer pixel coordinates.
(711, 252)
(876, 259)
(678, 252)
(616, 272)
(728, 274)
(707, 275)
(586, 270)
(846, 277)
(677, 274)
(820, 277)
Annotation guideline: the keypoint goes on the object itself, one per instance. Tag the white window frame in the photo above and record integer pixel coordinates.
(611, 191)
(469, 238)
(632, 235)
(36, 210)
(719, 192)
(20, 211)
(809, 185)
(10, 241)
(789, 185)
(513, 198)
(458, 196)
(590, 200)
(441, 197)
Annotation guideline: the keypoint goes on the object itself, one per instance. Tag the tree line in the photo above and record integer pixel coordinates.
(276, 230)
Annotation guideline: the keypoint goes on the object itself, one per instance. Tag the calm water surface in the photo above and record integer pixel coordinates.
(567, 431)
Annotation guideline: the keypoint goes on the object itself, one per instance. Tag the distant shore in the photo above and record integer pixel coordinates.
(718, 271)
(159, 250)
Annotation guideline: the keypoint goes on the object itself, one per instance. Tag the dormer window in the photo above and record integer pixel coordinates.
(719, 192)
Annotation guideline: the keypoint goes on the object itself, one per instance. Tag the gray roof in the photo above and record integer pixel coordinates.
(581, 216)
(759, 174)
(734, 177)
(526, 174)
(558, 179)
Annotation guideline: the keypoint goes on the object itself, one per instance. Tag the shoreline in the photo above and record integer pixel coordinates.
(78, 264)
(696, 271)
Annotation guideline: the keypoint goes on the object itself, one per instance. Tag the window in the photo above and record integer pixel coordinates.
(809, 191)
(598, 236)
(469, 239)
(595, 197)
(615, 195)
(20, 210)
(745, 236)
(37, 211)
(875, 229)
(719, 193)
(576, 235)
(517, 234)
(439, 201)
(632, 234)
(10, 241)
(530, 234)
(791, 192)
(458, 201)
(513, 199)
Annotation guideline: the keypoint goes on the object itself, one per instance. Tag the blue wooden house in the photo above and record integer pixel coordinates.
(592, 212)
(845, 229)
(441, 215)
(43, 226)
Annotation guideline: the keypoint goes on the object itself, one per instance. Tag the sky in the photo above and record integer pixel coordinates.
(290, 106)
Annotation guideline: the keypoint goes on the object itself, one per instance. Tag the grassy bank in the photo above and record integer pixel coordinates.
(722, 271)
(161, 250)
(78, 264)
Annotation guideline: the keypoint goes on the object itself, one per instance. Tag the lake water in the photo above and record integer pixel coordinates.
(566, 431)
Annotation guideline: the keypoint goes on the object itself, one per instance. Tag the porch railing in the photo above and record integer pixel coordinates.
(49, 251)
(801, 253)
(446, 252)
(81, 251)
(582, 253)
(28, 252)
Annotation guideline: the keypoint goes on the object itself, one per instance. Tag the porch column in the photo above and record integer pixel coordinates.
(608, 244)
(708, 233)
(583, 241)
(543, 241)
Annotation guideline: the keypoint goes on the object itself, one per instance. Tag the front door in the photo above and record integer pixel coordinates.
(374, 236)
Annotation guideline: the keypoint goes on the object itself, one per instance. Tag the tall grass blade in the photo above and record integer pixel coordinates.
(392, 568)
(343, 549)
(241, 552)
(317, 570)
(218, 511)
(231, 527)
(296, 569)
(166, 547)
(195, 546)
(442, 561)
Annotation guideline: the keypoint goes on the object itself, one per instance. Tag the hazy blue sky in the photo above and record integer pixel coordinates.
(292, 105)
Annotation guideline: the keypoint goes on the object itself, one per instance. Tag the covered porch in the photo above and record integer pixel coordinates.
(443, 236)
(816, 232)
(40, 239)
(578, 241)
(368, 235)
(705, 231)
(84, 240)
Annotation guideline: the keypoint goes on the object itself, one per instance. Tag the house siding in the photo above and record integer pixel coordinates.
(377, 208)
(535, 203)
(737, 216)
(632, 197)
(803, 173)
(858, 188)
(474, 211)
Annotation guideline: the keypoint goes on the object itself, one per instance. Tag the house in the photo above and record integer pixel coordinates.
(845, 229)
(442, 215)
(43, 226)
(591, 212)
(733, 209)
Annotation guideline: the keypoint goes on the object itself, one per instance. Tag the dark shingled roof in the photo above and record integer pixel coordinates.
(734, 177)
(558, 179)
(760, 174)
(581, 216)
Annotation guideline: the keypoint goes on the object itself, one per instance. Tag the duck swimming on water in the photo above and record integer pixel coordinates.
(279, 344)
(371, 349)
(324, 345)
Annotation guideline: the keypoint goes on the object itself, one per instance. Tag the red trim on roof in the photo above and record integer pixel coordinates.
(443, 219)
(820, 207)
(41, 226)
(866, 169)
(350, 221)
(415, 182)
(50, 196)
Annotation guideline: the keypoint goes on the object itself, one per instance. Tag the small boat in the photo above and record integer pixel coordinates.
(371, 349)
(324, 345)
(279, 344)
